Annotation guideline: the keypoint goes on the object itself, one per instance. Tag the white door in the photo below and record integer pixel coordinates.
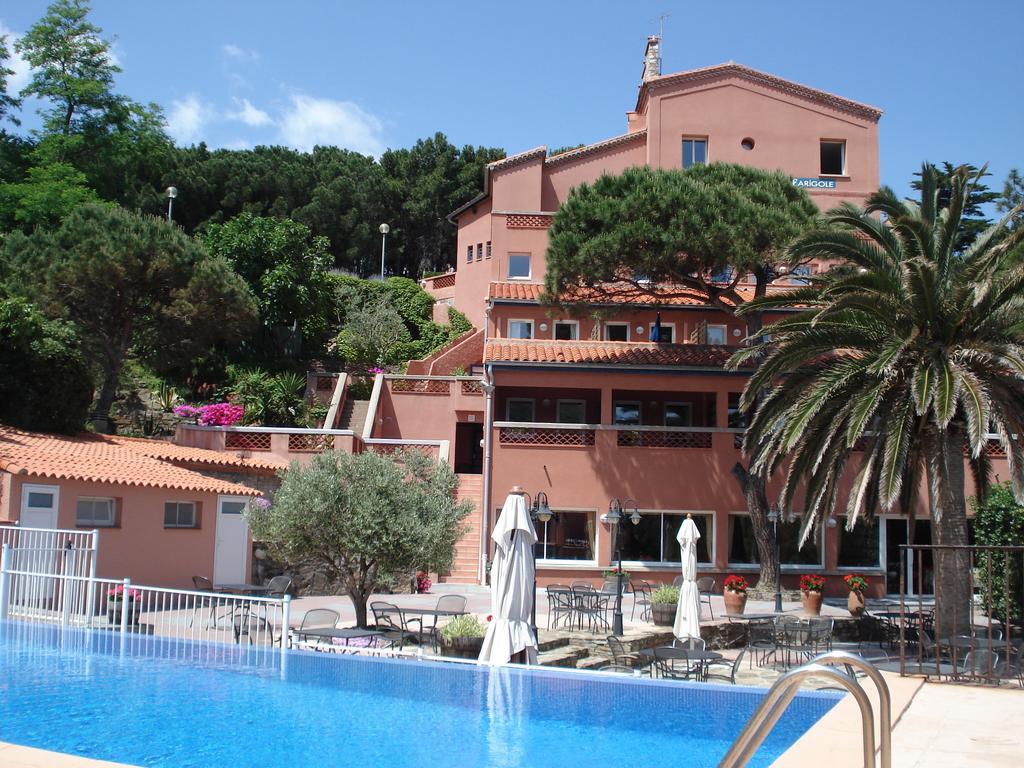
(231, 552)
(36, 551)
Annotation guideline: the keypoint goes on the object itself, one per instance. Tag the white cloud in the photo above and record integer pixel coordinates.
(250, 115)
(311, 121)
(238, 144)
(22, 71)
(233, 51)
(186, 119)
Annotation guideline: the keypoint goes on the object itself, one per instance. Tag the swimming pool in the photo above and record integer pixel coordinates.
(168, 703)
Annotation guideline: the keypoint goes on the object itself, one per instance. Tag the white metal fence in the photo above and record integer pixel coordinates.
(59, 595)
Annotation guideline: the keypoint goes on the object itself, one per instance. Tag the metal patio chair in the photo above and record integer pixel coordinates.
(317, 618)
(387, 619)
(706, 588)
(560, 605)
(591, 605)
(673, 664)
(203, 584)
(725, 670)
(641, 597)
(761, 639)
(454, 603)
(620, 655)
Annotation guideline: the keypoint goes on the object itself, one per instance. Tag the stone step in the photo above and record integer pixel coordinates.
(562, 657)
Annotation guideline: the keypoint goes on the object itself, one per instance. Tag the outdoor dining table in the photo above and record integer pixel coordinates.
(241, 621)
(243, 589)
(683, 654)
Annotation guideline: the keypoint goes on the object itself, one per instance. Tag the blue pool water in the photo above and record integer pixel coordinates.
(166, 703)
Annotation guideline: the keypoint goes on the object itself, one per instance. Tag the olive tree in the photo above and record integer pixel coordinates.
(364, 518)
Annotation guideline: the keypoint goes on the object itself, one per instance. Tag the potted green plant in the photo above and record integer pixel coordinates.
(116, 598)
(858, 586)
(663, 605)
(463, 636)
(811, 586)
(735, 593)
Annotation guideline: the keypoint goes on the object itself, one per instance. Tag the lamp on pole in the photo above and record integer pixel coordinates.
(614, 518)
(383, 229)
(540, 512)
(171, 192)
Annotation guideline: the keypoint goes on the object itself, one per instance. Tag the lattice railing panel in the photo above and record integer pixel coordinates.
(994, 448)
(528, 221)
(427, 450)
(472, 387)
(443, 281)
(247, 441)
(421, 386)
(545, 436)
(657, 439)
(302, 442)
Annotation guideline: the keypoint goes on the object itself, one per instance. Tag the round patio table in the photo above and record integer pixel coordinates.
(334, 633)
(243, 589)
(671, 652)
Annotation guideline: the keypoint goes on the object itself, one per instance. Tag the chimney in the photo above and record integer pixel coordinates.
(652, 58)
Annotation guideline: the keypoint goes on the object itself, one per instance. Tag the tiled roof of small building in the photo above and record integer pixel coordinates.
(118, 460)
(539, 351)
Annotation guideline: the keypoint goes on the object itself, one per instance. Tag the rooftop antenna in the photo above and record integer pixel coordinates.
(661, 24)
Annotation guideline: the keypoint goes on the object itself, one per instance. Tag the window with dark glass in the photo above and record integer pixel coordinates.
(666, 333)
(653, 539)
(487, 253)
(678, 414)
(572, 412)
(179, 514)
(566, 331)
(859, 548)
(695, 152)
(469, 253)
(98, 513)
(789, 538)
(519, 409)
(518, 266)
(566, 536)
(616, 332)
(627, 413)
(742, 547)
(833, 158)
(737, 419)
(479, 251)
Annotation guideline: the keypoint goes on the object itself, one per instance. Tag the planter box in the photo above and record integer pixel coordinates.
(114, 612)
(462, 647)
(663, 614)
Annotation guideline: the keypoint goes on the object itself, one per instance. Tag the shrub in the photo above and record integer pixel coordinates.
(999, 521)
(464, 626)
(665, 595)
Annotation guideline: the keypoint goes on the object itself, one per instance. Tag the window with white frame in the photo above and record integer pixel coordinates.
(568, 535)
(95, 512)
(520, 329)
(666, 333)
(519, 409)
(861, 547)
(653, 539)
(616, 331)
(487, 252)
(833, 158)
(469, 254)
(678, 414)
(180, 514)
(567, 330)
(571, 412)
(626, 412)
(743, 548)
(479, 251)
(718, 334)
(519, 266)
(695, 152)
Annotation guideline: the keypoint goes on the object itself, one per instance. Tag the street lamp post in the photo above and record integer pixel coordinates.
(383, 229)
(171, 192)
(614, 518)
(774, 517)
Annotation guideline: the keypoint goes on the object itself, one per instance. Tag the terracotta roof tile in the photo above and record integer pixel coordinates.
(622, 293)
(161, 449)
(540, 351)
(118, 460)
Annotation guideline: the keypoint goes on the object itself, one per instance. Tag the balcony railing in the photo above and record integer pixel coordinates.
(543, 434)
(583, 435)
(433, 385)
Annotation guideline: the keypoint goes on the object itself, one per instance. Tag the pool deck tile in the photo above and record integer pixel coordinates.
(17, 756)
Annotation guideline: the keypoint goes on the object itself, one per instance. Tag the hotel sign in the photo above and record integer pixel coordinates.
(815, 183)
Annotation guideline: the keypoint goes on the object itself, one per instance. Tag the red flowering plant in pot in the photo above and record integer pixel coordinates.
(735, 593)
(811, 586)
(117, 597)
(858, 586)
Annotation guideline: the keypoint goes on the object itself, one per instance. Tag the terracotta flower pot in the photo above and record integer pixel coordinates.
(812, 603)
(462, 647)
(663, 614)
(855, 603)
(735, 602)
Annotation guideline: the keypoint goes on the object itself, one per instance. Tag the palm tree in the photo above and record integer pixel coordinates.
(907, 357)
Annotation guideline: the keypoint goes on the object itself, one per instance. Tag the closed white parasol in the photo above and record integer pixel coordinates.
(512, 591)
(687, 622)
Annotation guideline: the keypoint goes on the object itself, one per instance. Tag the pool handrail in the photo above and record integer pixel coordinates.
(785, 688)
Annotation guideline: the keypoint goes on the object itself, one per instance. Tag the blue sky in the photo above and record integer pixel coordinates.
(369, 76)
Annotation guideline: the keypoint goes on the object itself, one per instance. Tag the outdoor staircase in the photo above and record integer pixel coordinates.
(467, 551)
(353, 415)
